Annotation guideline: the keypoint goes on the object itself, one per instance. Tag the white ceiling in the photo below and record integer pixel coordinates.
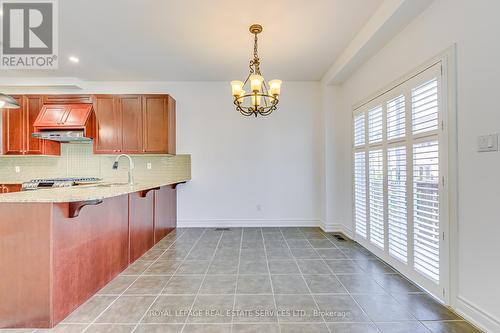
(201, 40)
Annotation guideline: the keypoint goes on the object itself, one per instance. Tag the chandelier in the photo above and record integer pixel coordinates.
(261, 99)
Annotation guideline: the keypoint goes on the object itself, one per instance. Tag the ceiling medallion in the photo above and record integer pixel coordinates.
(261, 99)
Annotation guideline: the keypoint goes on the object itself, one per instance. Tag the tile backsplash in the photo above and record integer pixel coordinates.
(78, 160)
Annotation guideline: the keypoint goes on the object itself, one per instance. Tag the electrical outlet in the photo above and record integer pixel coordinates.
(149, 166)
(17, 169)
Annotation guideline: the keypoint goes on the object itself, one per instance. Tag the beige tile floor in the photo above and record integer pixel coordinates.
(260, 280)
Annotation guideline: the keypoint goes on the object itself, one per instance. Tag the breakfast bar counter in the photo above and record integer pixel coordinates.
(58, 247)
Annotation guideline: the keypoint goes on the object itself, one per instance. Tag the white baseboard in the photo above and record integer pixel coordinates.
(336, 227)
(476, 316)
(242, 223)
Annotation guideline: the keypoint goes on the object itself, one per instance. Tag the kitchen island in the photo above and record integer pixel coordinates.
(58, 247)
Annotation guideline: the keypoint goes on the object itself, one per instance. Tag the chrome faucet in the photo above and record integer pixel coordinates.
(130, 169)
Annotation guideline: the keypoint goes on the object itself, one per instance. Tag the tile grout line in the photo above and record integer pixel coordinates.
(270, 280)
(122, 293)
(303, 278)
(348, 292)
(237, 276)
(394, 298)
(202, 282)
(172, 275)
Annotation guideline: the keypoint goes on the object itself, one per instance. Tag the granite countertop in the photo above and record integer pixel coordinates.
(85, 192)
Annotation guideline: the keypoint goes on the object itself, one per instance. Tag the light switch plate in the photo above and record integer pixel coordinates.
(149, 166)
(17, 169)
(487, 143)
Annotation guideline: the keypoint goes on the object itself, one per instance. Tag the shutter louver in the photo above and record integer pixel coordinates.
(424, 107)
(375, 125)
(360, 193)
(376, 187)
(359, 130)
(397, 203)
(396, 118)
(426, 208)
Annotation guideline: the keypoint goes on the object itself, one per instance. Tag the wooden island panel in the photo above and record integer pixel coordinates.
(165, 211)
(141, 224)
(25, 257)
(88, 251)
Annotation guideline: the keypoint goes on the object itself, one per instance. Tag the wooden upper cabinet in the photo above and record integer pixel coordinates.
(18, 127)
(50, 115)
(33, 105)
(108, 138)
(130, 107)
(155, 124)
(63, 115)
(13, 129)
(76, 115)
(134, 124)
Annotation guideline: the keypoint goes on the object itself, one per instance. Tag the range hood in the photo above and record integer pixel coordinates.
(65, 123)
(62, 136)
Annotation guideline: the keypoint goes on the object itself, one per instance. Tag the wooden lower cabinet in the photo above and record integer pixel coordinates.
(51, 263)
(140, 224)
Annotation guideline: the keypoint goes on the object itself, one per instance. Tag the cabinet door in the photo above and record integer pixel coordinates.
(50, 115)
(155, 124)
(140, 224)
(109, 125)
(33, 105)
(165, 211)
(13, 129)
(132, 123)
(76, 115)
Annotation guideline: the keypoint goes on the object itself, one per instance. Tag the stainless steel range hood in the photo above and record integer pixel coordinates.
(62, 136)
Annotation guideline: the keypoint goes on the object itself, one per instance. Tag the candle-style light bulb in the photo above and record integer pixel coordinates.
(256, 82)
(275, 87)
(236, 87)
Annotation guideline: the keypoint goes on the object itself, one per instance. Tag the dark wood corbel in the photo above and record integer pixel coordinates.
(174, 186)
(144, 193)
(75, 207)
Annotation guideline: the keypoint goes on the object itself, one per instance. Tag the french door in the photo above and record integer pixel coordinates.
(399, 179)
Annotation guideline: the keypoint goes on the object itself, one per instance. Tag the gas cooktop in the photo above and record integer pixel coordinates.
(35, 184)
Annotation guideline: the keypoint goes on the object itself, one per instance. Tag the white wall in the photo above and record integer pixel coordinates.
(474, 27)
(239, 163)
(242, 162)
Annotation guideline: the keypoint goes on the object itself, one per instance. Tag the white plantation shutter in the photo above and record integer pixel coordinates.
(376, 187)
(375, 124)
(359, 129)
(360, 193)
(424, 105)
(397, 203)
(397, 178)
(426, 208)
(396, 118)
